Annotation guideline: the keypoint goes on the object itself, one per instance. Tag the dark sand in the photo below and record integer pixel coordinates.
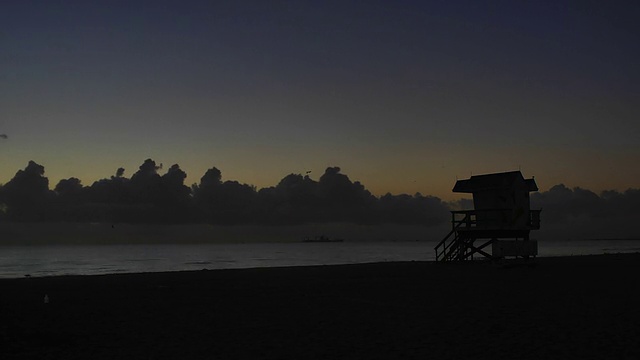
(562, 308)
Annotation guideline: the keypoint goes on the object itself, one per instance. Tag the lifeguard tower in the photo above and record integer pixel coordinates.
(501, 218)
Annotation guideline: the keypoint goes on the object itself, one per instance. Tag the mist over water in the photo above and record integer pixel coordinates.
(18, 261)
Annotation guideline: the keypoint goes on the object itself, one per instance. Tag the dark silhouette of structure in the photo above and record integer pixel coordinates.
(501, 217)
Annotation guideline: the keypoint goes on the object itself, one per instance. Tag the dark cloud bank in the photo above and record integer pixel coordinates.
(151, 197)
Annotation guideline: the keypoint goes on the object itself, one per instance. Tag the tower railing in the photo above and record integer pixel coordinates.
(494, 219)
(458, 244)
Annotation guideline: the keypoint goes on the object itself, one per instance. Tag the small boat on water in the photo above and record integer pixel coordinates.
(322, 239)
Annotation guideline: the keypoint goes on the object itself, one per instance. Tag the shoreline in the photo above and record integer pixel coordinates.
(559, 307)
(503, 262)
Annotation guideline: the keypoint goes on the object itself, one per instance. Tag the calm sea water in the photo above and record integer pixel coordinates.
(18, 261)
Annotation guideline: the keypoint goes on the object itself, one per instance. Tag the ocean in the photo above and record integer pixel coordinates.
(37, 261)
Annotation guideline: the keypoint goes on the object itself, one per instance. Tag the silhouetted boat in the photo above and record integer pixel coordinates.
(322, 238)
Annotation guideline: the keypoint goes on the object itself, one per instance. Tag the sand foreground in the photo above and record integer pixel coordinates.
(564, 308)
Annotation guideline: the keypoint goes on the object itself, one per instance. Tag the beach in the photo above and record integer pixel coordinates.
(583, 307)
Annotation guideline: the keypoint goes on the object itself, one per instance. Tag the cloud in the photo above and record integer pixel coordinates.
(3, 136)
(577, 213)
(150, 197)
(26, 194)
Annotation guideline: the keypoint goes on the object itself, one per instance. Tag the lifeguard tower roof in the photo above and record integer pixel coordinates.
(496, 181)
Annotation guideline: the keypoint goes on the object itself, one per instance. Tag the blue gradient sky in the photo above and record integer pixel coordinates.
(402, 95)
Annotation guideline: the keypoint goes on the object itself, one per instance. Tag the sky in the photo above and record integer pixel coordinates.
(404, 96)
